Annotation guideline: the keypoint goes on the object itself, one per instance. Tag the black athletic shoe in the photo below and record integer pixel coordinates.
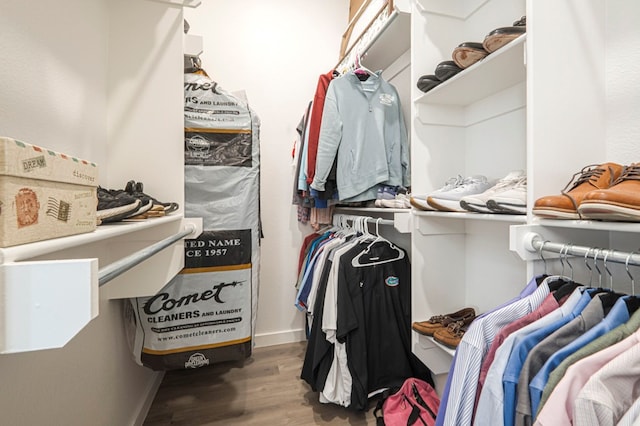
(112, 208)
(146, 203)
(137, 190)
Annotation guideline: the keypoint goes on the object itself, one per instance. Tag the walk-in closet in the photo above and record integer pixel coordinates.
(319, 203)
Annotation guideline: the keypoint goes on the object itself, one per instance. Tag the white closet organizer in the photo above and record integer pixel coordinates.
(50, 288)
(551, 102)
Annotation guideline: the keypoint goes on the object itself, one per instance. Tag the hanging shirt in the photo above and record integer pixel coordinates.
(363, 128)
(610, 392)
(374, 319)
(442, 410)
(473, 347)
(609, 339)
(632, 414)
(592, 314)
(314, 124)
(618, 315)
(559, 409)
(489, 409)
(522, 348)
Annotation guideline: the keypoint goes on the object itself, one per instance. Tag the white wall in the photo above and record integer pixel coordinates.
(274, 50)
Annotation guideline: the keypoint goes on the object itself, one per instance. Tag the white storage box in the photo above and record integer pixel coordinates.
(44, 194)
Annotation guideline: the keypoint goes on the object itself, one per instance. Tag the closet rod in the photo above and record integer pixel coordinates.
(116, 268)
(536, 243)
(371, 220)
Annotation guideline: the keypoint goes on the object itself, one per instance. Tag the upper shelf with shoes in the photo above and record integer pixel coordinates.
(498, 71)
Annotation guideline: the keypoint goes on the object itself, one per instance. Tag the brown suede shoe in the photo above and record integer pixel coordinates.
(437, 322)
(621, 201)
(590, 178)
(453, 333)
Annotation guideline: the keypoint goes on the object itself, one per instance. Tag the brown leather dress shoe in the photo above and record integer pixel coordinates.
(437, 322)
(621, 201)
(590, 178)
(453, 333)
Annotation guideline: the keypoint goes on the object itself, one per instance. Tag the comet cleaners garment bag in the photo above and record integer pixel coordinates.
(206, 314)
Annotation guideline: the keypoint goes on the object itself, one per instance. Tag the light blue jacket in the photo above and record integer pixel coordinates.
(363, 125)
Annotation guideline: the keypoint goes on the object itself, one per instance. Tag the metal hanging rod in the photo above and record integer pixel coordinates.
(114, 269)
(368, 219)
(535, 243)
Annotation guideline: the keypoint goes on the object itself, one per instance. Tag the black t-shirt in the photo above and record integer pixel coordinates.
(374, 318)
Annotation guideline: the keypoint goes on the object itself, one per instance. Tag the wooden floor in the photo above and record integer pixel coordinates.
(264, 390)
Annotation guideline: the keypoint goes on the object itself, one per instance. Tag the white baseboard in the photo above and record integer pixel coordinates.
(145, 404)
(279, 338)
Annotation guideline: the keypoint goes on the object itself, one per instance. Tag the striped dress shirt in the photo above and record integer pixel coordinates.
(474, 346)
(527, 291)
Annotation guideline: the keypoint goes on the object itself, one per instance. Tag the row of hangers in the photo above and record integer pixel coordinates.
(358, 226)
(595, 254)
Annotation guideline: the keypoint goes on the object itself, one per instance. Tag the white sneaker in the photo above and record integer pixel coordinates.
(511, 201)
(400, 202)
(419, 201)
(449, 200)
(478, 203)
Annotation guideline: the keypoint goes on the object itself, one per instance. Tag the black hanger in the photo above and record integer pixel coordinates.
(565, 290)
(608, 299)
(632, 302)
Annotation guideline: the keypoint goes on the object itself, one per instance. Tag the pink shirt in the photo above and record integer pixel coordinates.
(559, 408)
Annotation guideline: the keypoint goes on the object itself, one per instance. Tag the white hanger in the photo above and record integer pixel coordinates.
(355, 262)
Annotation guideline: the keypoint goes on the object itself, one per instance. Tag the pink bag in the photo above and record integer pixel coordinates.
(416, 403)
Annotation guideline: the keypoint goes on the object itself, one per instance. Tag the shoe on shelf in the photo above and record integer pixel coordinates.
(590, 178)
(112, 209)
(446, 69)
(619, 202)
(437, 322)
(511, 201)
(137, 189)
(401, 201)
(478, 202)
(419, 201)
(504, 35)
(428, 82)
(145, 202)
(388, 193)
(468, 53)
(448, 200)
(451, 335)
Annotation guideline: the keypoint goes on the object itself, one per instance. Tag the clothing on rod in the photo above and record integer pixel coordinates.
(356, 297)
(560, 353)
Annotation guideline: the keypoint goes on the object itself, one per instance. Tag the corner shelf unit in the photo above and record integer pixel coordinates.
(536, 105)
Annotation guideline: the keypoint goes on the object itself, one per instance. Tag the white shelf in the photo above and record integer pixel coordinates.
(374, 210)
(593, 225)
(498, 71)
(388, 45)
(434, 355)
(381, 45)
(103, 232)
(45, 303)
(511, 218)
